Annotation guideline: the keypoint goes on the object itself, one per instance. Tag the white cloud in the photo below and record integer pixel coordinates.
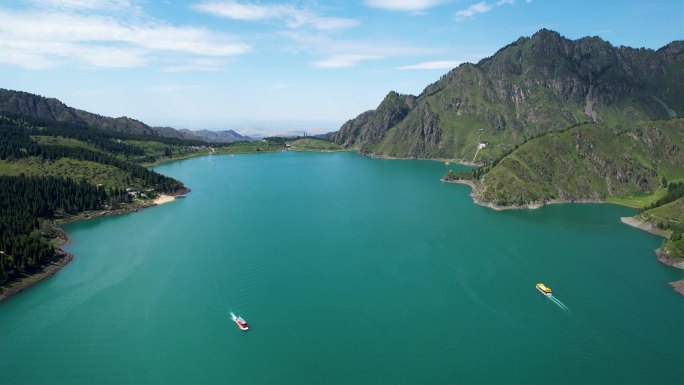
(41, 39)
(182, 39)
(281, 86)
(404, 5)
(196, 65)
(84, 4)
(293, 17)
(239, 11)
(433, 65)
(339, 53)
(190, 68)
(110, 57)
(172, 88)
(343, 61)
(481, 7)
(474, 9)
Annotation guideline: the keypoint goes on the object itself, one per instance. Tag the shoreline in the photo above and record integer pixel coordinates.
(163, 198)
(176, 158)
(669, 261)
(455, 161)
(661, 256)
(529, 206)
(9, 289)
(25, 282)
(677, 286)
(636, 222)
(646, 226)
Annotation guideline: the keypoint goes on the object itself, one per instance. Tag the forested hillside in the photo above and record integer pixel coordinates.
(51, 169)
(25, 202)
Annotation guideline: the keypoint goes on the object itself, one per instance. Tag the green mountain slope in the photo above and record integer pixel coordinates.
(312, 144)
(585, 162)
(668, 214)
(535, 85)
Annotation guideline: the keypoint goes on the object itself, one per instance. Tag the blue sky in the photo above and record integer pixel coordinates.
(258, 66)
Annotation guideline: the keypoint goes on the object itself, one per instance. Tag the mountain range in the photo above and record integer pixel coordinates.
(226, 136)
(534, 85)
(20, 103)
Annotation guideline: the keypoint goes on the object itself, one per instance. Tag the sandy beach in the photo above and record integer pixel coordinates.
(163, 198)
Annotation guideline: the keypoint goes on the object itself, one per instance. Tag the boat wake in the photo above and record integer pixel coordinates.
(558, 302)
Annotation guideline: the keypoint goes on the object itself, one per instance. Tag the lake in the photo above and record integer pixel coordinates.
(349, 270)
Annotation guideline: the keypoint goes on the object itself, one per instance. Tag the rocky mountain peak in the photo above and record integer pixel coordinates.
(533, 85)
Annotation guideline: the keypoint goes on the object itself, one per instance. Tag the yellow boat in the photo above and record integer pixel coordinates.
(543, 289)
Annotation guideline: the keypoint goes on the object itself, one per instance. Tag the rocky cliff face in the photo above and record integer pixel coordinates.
(534, 85)
(370, 127)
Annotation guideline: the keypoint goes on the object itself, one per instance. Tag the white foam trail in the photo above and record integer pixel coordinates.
(558, 302)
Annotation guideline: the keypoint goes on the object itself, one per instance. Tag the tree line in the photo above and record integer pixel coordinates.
(24, 201)
(27, 201)
(16, 143)
(674, 192)
(98, 137)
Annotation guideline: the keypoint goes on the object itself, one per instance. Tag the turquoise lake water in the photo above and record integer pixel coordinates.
(350, 270)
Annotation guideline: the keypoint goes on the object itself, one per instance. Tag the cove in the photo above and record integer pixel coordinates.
(349, 270)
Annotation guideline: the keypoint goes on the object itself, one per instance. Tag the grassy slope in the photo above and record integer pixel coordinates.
(95, 173)
(111, 176)
(673, 211)
(156, 150)
(250, 147)
(311, 144)
(589, 162)
(60, 141)
(671, 214)
(151, 148)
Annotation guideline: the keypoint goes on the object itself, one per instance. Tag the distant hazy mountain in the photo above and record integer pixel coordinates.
(326, 136)
(24, 103)
(227, 136)
(171, 132)
(534, 85)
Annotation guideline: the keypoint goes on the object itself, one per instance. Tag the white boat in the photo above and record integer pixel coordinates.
(239, 321)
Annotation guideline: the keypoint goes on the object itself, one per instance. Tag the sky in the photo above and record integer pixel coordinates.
(260, 66)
